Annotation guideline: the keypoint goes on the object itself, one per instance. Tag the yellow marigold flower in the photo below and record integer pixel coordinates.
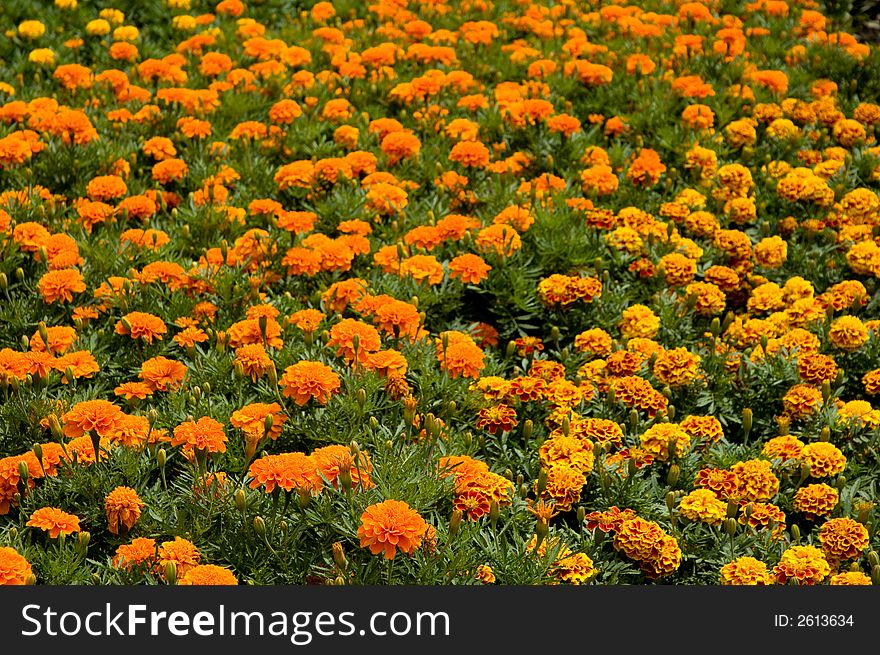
(662, 438)
(746, 571)
(677, 367)
(31, 29)
(703, 505)
(806, 564)
(825, 459)
(848, 333)
(843, 539)
(755, 480)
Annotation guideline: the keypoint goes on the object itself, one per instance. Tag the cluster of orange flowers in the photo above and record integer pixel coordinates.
(446, 228)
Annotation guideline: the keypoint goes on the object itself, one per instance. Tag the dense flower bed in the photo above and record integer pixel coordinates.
(439, 292)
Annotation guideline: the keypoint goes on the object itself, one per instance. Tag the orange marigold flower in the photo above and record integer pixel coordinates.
(129, 390)
(253, 359)
(141, 325)
(824, 459)
(205, 434)
(470, 154)
(209, 574)
(180, 552)
(497, 417)
(141, 551)
(745, 571)
(336, 461)
(389, 526)
(287, 471)
(252, 420)
(162, 374)
(98, 416)
(123, 508)
(14, 568)
(806, 564)
(306, 380)
(106, 187)
(60, 285)
(54, 521)
(344, 334)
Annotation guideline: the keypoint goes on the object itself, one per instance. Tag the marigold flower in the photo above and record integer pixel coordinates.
(123, 507)
(162, 374)
(287, 471)
(208, 574)
(825, 459)
(843, 539)
(60, 285)
(333, 461)
(98, 416)
(746, 571)
(206, 434)
(806, 564)
(703, 505)
(14, 568)
(54, 521)
(181, 552)
(141, 325)
(306, 380)
(389, 526)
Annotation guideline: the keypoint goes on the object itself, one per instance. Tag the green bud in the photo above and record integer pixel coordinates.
(795, 534)
(730, 527)
(747, 421)
(674, 473)
(161, 458)
(542, 482)
(260, 526)
(670, 502)
(732, 509)
(240, 500)
(171, 572)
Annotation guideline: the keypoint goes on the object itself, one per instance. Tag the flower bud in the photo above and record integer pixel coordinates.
(542, 482)
(826, 390)
(541, 530)
(732, 508)
(494, 512)
(82, 543)
(55, 427)
(805, 472)
(32, 580)
(272, 372)
(566, 425)
(171, 572)
(730, 527)
(161, 458)
(875, 575)
(841, 482)
(38, 452)
(304, 496)
(339, 556)
(23, 473)
(339, 581)
(260, 526)
(825, 435)
(670, 501)
(511, 348)
(612, 396)
(240, 500)
(374, 423)
(873, 558)
(747, 421)
(674, 473)
(268, 422)
(44, 333)
(4, 282)
(528, 427)
(795, 534)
